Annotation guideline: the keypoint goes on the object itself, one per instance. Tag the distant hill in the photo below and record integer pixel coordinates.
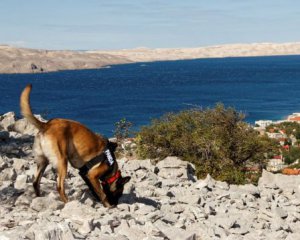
(230, 50)
(22, 60)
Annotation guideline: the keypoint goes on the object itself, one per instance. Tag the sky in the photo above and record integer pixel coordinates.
(120, 24)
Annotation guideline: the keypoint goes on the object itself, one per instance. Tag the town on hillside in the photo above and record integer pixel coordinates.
(287, 135)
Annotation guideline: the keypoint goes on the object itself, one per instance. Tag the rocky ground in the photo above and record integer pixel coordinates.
(162, 201)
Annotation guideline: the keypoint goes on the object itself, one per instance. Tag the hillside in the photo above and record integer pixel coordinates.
(163, 201)
(220, 51)
(22, 60)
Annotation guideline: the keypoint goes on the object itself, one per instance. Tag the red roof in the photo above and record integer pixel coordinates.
(295, 119)
(277, 157)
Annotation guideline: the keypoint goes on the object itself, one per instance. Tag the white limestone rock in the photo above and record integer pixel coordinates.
(21, 181)
(41, 204)
(48, 230)
(8, 174)
(7, 120)
(81, 216)
(285, 182)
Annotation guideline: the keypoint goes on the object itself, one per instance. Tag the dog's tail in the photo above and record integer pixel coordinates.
(26, 109)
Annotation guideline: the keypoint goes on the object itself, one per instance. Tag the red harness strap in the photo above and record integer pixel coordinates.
(112, 178)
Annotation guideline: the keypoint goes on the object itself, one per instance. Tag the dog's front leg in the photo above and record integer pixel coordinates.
(93, 176)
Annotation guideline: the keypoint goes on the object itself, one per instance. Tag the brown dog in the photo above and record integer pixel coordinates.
(59, 141)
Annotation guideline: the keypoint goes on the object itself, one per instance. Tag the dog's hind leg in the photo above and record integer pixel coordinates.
(42, 163)
(62, 168)
(60, 149)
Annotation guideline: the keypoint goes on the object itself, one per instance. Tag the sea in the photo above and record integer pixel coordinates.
(260, 87)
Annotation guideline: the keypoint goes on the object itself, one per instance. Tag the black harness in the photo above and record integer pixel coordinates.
(106, 156)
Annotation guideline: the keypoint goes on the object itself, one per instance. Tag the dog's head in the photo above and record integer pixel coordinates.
(115, 190)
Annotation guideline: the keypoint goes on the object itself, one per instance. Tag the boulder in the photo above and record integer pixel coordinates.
(174, 168)
(81, 216)
(24, 127)
(7, 120)
(284, 182)
(48, 230)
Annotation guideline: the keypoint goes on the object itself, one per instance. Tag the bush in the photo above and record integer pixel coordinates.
(292, 155)
(216, 140)
(122, 130)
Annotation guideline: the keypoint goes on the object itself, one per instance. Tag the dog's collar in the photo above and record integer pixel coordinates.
(112, 179)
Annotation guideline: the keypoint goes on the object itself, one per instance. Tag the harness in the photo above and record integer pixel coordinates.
(109, 158)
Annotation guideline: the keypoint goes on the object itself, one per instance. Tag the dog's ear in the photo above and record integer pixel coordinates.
(125, 180)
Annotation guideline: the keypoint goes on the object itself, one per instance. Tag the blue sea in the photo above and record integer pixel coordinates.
(260, 87)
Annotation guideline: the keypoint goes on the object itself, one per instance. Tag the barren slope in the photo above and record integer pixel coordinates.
(20, 60)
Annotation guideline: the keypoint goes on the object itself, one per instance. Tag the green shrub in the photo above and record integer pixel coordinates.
(216, 140)
(292, 155)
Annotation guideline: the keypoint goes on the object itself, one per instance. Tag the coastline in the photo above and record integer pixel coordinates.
(23, 60)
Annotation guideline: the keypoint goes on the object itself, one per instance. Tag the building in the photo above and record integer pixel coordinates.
(276, 164)
(277, 135)
(294, 117)
(263, 123)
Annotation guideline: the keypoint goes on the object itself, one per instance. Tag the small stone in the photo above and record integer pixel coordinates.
(40, 204)
(280, 212)
(170, 218)
(226, 222)
(21, 182)
(145, 209)
(131, 232)
(222, 185)
(19, 164)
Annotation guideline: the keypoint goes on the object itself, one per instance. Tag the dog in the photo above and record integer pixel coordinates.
(60, 141)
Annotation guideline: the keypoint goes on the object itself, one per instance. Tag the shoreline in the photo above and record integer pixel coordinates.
(23, 60)
(142, 63)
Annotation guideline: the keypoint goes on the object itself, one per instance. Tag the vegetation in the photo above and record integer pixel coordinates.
(122, 129)
(292, 155)
(216, 140)
(291, 129)
(288, 127)
(296, 165)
